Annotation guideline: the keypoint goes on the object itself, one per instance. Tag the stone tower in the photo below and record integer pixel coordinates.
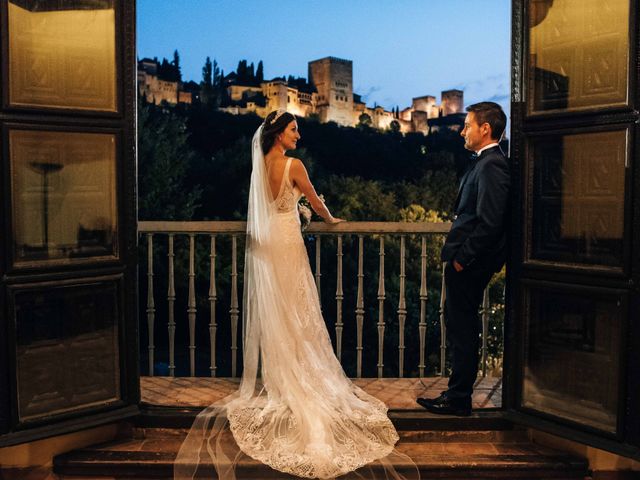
(333, 79)
(452, 102)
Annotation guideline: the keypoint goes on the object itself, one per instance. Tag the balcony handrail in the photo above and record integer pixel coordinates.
(215, 226)
(235, 230)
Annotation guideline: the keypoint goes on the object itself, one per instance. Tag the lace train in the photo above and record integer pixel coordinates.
(309, 419)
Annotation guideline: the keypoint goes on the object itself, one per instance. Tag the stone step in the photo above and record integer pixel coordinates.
(411, 436)
(148, 453)
(417, 419)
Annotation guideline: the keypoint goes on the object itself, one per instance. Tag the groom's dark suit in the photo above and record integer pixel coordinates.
(477, 241)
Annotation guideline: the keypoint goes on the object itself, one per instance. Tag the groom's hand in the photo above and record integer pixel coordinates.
(457, 266)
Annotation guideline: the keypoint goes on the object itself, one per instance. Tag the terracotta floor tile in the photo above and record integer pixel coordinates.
(397, 393)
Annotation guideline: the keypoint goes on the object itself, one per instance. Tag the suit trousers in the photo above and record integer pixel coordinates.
(464, 293)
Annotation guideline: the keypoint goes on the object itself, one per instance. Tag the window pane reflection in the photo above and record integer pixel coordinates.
(578, 54)
(67, 349)
(64, 195)
(578, 198)
(571, 358)
(62, 54)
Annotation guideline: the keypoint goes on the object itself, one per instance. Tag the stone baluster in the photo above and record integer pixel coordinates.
(360, 307)
(234, 311)
(213, 297)
(402, 309)
(485, 329)
(381, 299)
(422, 325)
(151, 307)
(339, 298)
(191, 305)
(171, 299)
(443, 327)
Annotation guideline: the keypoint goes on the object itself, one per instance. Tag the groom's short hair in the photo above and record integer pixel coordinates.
(491, 113)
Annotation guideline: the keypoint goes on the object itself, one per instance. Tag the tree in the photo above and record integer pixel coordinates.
(208, 92)
(164, 156)
(217, 76)
(394, 126)
(356, 199)
(260, 72)
(176, 66)
(167, 70)
(207, 73)
(242, 72)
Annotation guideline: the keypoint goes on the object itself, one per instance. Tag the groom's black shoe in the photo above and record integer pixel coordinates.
(444, 405)
(430, 401)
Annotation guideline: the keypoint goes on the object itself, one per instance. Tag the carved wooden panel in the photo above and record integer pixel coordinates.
(571, 355)
(62, 57)
(577, 198)
(578, 54)
(67, 354)
(63, 195)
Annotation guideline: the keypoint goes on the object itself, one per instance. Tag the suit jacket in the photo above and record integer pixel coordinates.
(478, 232)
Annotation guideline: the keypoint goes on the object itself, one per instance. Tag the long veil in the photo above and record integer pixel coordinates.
(206, 446)
(278, 410)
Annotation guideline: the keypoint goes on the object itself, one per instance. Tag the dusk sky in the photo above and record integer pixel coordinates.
(400, 49)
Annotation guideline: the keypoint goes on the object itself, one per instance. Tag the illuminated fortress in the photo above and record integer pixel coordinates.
(327, 94)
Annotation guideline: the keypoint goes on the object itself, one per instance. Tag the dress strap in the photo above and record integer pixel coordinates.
(286, 171)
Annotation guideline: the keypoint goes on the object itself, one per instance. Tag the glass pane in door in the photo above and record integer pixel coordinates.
(62, 54)
(63, 195)
(577, 198)
(67, 354)
(572, 355)
(578, 54)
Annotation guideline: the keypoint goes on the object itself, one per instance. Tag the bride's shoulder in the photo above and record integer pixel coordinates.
(296, 162)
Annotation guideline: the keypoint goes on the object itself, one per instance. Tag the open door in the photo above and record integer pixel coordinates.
(68, 316)
(573, 334)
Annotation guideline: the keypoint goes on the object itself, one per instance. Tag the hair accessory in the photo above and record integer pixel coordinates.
(278, 115)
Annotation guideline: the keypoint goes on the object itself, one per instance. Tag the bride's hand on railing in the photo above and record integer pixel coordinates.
(333, 220)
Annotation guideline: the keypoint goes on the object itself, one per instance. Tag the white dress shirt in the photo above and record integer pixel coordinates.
(487, 147)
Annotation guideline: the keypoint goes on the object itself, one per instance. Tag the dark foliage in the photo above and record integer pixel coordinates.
(195, 164)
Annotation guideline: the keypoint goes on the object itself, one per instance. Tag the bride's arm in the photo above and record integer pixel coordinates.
(300, 178)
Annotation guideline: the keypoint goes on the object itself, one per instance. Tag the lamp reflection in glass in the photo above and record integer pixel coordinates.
(63, 196)
(45, 168)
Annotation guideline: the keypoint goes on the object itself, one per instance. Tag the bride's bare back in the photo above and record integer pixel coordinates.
(275, 174)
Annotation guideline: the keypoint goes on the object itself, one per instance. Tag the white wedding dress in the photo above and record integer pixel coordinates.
(308, 419)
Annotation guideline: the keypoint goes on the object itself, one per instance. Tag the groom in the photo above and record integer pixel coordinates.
(475, 248)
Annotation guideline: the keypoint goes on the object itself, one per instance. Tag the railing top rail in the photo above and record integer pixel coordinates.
(209, 227)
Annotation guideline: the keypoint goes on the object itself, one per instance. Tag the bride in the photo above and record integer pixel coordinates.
(305, 417)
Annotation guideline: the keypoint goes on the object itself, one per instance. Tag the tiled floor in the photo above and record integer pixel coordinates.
(397, 393)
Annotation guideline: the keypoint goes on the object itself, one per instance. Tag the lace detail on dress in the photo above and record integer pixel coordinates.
(312, 422)
(328, 454)
(307, 418)
(288, 196)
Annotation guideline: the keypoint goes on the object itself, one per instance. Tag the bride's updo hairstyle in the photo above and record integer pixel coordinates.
(274, 124)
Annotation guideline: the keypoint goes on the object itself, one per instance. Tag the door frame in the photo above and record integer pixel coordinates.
(627, 440)
(123, 124)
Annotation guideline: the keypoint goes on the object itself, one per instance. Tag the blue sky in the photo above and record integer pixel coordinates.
(400, 48)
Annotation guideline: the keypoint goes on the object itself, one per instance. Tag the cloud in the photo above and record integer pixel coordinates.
(489, 81)
(494, 88)
(368, 91)
(499, 98)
